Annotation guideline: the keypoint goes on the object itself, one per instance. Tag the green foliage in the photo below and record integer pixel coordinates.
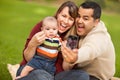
(116, 0)
(112, 6)
(100, 2)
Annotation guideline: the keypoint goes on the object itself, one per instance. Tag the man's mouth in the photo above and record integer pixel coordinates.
(80, 27)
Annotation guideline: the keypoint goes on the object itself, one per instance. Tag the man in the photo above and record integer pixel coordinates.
(95, 54)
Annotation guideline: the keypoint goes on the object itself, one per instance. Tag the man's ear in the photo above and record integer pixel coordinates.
(97, 21)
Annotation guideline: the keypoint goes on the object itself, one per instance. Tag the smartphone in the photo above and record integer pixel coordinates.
(72, 41)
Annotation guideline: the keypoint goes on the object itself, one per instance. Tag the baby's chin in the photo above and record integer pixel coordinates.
(51, 36)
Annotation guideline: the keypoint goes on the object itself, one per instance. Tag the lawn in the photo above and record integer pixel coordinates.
(17, 19)
(112, 23)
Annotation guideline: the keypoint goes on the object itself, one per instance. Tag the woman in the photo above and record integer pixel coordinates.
(65, 16)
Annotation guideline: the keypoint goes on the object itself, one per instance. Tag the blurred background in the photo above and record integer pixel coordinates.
(18, 17)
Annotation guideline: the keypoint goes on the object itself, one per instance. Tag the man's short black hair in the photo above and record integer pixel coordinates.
(93, 5)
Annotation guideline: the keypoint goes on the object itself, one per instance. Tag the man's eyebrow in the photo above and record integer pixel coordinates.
(85, 16)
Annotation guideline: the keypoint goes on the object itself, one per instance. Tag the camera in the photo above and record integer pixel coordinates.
(72, 41)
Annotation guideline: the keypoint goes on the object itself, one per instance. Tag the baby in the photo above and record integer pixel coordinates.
(47, 52)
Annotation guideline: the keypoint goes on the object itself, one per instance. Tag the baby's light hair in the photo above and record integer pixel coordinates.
(49, 19)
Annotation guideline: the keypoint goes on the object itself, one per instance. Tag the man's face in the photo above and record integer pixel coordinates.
(85, 22)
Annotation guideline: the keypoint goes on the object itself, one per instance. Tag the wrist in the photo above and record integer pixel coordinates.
(69, 64)
(31, 45)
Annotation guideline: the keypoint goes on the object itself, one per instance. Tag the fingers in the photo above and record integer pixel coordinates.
(39, 35)
(68, 55)
(38, 38)
(75, 51)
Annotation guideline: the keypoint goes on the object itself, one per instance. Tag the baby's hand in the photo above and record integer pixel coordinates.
(37, 39)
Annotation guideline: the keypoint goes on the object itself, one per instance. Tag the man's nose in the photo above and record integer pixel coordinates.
(80, 20)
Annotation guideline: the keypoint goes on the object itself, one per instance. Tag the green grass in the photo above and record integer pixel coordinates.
(17, 19)
(113, 23)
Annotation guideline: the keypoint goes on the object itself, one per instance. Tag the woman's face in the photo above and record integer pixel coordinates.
(65, 21)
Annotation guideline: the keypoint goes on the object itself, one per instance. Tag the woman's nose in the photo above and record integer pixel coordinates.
(66, 20)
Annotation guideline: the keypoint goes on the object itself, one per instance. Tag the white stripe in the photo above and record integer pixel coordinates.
(48, 50)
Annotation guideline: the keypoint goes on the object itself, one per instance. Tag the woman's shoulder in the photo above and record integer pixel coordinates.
(36, 28)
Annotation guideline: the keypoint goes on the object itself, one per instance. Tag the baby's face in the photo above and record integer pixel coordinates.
(50, 30)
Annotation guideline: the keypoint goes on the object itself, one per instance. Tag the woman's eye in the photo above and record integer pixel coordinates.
(63, 15)
(71, 19)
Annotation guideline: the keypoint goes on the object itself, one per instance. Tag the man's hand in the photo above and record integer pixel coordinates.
(69, 55)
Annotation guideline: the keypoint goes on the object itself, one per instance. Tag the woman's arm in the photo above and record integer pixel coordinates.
(36, 40)
(32, 41)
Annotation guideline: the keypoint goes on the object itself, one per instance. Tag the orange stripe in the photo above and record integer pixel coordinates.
(40, 51)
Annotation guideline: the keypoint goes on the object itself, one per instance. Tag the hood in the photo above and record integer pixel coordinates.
(100, 28)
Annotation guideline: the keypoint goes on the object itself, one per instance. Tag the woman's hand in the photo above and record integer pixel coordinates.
(69, 56)
(36, 40)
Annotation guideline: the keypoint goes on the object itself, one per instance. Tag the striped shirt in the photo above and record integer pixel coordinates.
(50, 47)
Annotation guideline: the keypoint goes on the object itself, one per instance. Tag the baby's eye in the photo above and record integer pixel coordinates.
(54, 28)
(47, 29)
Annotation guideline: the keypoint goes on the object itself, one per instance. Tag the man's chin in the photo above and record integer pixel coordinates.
(79, 33)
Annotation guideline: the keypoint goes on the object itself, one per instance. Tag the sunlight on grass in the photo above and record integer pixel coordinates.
(40, 11)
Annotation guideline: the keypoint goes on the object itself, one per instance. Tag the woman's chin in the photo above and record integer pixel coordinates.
(62, 31)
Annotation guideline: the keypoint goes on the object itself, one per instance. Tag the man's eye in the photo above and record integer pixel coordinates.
(85, 18)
